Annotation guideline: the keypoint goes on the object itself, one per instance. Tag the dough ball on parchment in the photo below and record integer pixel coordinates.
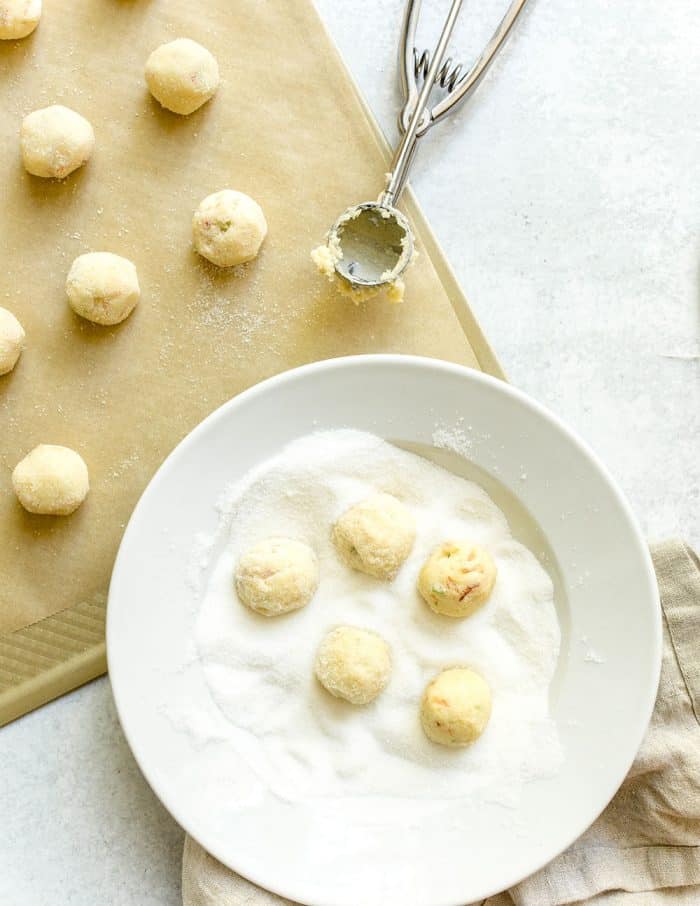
(18, 18)
(457, 578)
(51, 480)
(276, 576)
(55, 141)
(102, 287)
(456, 707)
(182, 75)
(228, 228)
(353, 664)
(11, 341)
(375, 536)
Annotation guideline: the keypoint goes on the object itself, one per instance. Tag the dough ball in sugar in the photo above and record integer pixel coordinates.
(375, 536)
(276, 576)
(102, 287)
(457, 578)
(18, 18)
(55, 141)
(353, 664)
(11, 341)
(456, 707)
(228, 228)
(51, 480)
(182, 75)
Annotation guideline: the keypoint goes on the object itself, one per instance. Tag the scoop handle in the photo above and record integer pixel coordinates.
(405, 152)
(416, 118)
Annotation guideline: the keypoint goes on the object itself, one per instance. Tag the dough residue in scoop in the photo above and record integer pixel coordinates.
(329, 253)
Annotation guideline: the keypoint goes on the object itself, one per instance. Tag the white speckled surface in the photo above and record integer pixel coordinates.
(567, 197)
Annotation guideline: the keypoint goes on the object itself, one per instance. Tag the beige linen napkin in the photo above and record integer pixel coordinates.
(644, 849)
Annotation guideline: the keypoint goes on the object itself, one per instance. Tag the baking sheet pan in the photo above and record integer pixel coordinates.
(289, 128)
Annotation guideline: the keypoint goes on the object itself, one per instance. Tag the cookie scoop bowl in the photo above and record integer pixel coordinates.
(373, 245)
(449, 854)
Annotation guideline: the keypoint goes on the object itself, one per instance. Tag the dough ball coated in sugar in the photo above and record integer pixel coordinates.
(182, 75)
(228, 228)
(102, 287)
(11, 341)
(353, 664)
(375, 536)
(457, 578)
(276, 576)
(55, 141)
(18, 18)
(456, 707)
(51, 480)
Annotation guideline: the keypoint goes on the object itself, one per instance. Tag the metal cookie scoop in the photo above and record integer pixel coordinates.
(371, 243)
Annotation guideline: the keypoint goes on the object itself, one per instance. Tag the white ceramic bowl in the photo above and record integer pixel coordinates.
(607, 604)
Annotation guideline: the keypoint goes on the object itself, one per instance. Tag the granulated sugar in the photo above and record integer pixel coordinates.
(301, 742)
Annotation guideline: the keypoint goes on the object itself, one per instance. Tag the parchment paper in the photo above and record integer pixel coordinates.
(286, 127)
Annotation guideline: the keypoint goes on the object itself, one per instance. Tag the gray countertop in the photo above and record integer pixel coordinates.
(566, 195)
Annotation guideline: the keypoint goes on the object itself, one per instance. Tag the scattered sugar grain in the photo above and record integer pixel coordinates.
(303, 743)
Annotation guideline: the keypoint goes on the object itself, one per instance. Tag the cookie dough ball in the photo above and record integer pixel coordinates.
(228, 228)
(353, 664)
(55, 141)
(375, 536)
(102, 287)
(11, 341)
(276, 576)
(456, 707)
(18, 18)
(51, 480)
(182, 75)
(457, 578)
